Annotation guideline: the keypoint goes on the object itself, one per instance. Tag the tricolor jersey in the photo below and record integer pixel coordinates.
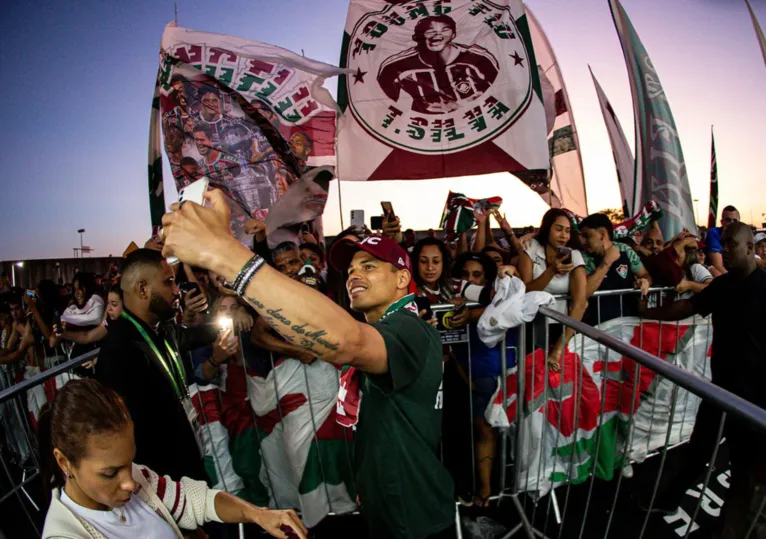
(432, 87)
(221, 171)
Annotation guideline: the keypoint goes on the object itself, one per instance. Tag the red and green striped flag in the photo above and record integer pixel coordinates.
(458, 215)
(713, 211)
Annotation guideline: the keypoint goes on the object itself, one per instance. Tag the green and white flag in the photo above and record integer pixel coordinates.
(596, 413)
(660, 171)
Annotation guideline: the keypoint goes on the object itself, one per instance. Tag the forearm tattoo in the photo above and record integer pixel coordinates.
(302, 334)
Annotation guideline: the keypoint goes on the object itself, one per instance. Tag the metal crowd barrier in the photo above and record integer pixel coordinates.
(521, 472)
(22, 471)
(648, 391)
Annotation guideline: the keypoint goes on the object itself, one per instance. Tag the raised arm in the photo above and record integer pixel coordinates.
(201, 237)
(594, 280)
(482, 219)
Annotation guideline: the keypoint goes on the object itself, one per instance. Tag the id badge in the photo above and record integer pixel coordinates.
(191, 415)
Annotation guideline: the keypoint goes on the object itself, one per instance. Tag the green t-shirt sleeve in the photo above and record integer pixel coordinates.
(635, 262)
(590, 262)
(407, 340)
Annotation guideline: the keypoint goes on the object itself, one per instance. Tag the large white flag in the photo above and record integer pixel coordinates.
(440, 88)
(623, 156)
(567, 183)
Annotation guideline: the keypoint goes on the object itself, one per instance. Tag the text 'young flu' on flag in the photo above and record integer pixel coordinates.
(567, 180)
(440, 89)
(247, 115)
(660, 171)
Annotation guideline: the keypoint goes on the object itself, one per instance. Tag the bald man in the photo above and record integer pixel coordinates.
(737, 301)
(144, 359)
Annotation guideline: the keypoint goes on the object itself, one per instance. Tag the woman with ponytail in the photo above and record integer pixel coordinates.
(87, 448)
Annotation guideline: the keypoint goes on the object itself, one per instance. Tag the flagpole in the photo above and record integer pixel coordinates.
(340, 206)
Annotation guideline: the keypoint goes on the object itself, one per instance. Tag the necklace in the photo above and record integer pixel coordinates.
(122, 514)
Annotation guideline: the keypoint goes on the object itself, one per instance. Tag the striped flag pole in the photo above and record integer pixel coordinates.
(713, 211)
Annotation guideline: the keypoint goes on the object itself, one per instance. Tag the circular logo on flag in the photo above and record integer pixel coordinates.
(435, 77)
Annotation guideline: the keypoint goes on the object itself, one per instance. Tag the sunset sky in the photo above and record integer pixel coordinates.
(78, 78)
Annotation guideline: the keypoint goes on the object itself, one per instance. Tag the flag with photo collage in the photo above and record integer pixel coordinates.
(249, 116)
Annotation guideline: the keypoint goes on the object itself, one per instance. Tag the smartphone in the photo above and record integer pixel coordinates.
(565, 253)
(31, 293)
(423, 303)
(388, 209)
(193, 287)
(460, 308)
(188, 286)
(376, 222)
(357, 218)
(192, 193)
(305, 228)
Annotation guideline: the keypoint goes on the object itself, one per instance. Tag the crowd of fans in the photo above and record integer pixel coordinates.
(161, 327)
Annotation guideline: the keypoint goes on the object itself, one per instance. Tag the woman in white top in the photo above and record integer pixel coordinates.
(87, 447)
(544, 268)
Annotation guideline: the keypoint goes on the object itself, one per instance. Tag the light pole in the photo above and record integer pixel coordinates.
(81, 232)
(13, 271)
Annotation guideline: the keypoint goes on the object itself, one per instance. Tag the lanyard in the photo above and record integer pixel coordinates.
(182, 392)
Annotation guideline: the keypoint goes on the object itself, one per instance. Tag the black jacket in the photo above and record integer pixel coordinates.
(165, 441)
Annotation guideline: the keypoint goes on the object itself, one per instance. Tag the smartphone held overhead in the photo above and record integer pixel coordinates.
(376, 222)
(357, 218)
(194, 192)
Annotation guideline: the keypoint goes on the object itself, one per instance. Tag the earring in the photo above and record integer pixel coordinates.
(68, 475)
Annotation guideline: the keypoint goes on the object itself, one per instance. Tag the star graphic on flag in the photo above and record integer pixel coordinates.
(359, 75)
(517, 60)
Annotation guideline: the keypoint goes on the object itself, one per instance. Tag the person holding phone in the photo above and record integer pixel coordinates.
(478, 366)
(549, 265)
(396, 357)
(87, 448)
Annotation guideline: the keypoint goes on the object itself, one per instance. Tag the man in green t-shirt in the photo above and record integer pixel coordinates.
(395, 360)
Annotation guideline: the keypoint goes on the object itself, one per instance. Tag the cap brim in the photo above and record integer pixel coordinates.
(342, 253)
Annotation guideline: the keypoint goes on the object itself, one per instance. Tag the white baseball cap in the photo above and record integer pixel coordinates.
(759, 237)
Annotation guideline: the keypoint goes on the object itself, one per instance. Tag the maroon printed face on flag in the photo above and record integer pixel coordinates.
(433, 93)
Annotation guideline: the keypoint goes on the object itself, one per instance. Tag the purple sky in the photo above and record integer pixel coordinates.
(78, 78)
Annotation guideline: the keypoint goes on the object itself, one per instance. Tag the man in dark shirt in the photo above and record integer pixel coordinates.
(143, 358)
(737, 301)
(405, 492)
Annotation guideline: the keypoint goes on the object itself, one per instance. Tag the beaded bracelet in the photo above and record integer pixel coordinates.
(246, 274)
